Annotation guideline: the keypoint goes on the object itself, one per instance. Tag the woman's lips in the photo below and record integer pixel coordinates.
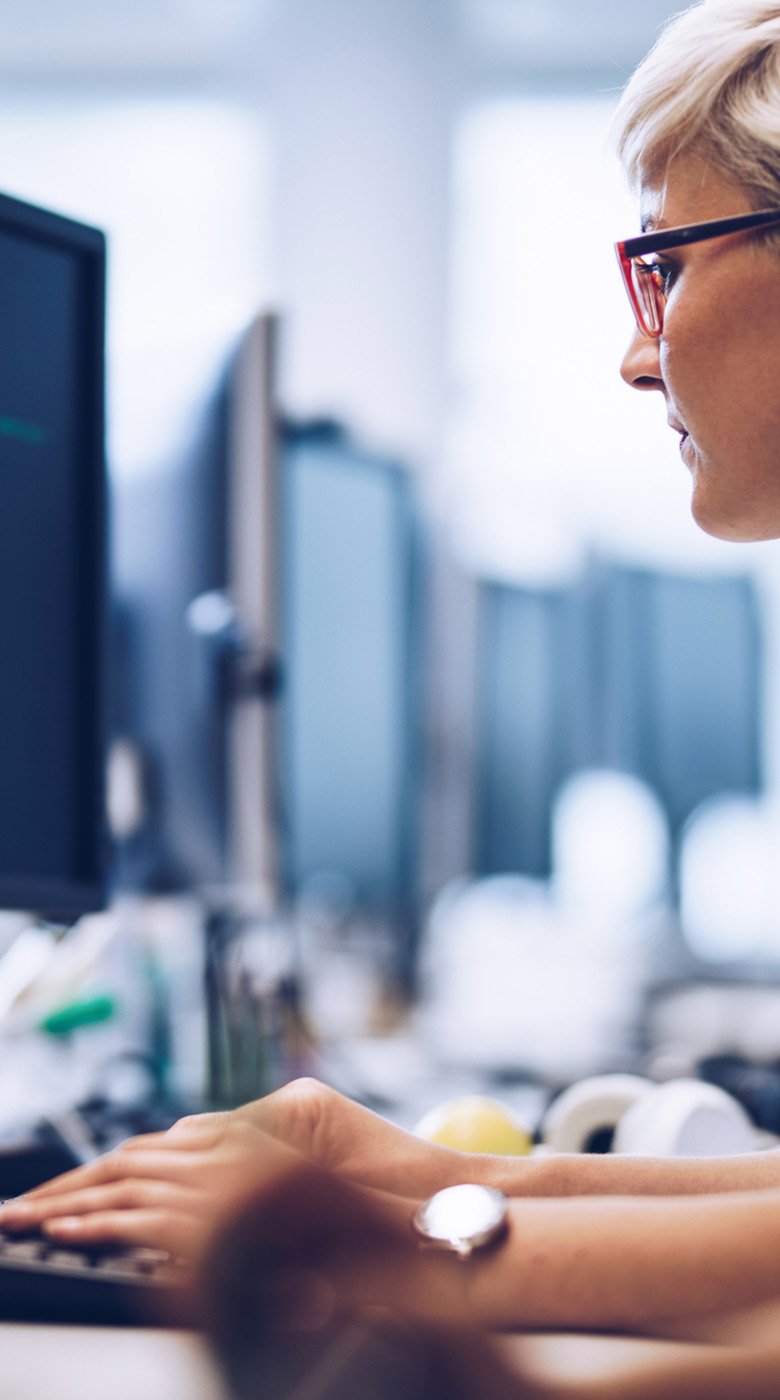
(678, 428)
(685, 450)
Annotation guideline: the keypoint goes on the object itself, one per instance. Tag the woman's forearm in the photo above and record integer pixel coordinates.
(341, 1135)
(596, 1175)
(617, 1263)
(628, 1263)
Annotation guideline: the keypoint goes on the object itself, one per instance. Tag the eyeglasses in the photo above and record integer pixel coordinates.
(646, 282)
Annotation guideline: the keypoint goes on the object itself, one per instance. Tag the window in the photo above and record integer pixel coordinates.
(551, 454)
(180, 186)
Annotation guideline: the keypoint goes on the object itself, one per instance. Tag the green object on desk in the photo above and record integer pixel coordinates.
(71, 1017)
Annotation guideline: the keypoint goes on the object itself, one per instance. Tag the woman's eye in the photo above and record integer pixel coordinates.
(664, 274)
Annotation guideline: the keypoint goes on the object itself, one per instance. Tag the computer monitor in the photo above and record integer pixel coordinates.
(351, 732)
(52, 563)
(634, 669)
(266, 539)
(194, 625)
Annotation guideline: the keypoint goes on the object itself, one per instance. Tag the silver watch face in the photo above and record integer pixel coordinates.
(462, 1218)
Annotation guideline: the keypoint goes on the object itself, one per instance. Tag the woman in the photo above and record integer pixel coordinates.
(592, 1241)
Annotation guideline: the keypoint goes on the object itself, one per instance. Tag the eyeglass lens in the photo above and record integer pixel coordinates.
(647, 294)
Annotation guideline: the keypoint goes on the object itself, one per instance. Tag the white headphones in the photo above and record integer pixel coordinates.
(683, 1118)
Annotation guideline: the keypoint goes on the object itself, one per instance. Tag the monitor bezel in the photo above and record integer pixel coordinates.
(54, 899)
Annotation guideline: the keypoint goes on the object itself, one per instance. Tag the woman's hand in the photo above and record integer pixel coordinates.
(342, 1136)
(166, 1190)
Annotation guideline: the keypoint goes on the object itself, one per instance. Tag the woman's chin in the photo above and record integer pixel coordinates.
(736, 494)
(724, 522)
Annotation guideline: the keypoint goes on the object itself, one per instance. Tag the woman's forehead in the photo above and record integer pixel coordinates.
(651, 206)
(688, 190)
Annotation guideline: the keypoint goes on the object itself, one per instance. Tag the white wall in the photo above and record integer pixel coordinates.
(358, 99)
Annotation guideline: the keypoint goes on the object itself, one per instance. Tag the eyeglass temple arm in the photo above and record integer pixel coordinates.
(694, 233)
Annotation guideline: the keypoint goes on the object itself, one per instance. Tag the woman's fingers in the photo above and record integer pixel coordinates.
(128, 1195)
(210, 1160)
(181, 1169)
(119, 1178)
(197, 1125)
(158, 1214)
(175, 1231)
(199, 1132)
(91, 1172)
(101, 1169)
(142, 1191)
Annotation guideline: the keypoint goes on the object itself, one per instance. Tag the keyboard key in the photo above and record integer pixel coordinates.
(24, 1251)
(151, 1256)
(67, 1259)
(43, 1281)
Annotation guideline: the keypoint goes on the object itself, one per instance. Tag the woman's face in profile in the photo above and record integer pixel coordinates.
(717, 363)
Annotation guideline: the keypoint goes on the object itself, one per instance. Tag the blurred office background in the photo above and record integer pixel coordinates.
(526, 750)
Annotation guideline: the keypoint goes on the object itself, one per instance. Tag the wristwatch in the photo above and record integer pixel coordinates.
(462, 1218)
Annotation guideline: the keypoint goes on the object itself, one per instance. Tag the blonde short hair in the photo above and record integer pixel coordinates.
(709, 87)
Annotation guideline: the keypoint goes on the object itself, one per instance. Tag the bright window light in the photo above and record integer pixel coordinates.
(729, 906)
(610, 848)
(551, 453)
(181, 188)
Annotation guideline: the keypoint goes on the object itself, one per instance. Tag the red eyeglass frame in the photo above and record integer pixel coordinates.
(630, 248)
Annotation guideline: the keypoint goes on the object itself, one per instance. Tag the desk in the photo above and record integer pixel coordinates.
(577, 1366)
(104, 1363)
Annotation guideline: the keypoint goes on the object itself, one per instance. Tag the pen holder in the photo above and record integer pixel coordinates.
(255, 1037)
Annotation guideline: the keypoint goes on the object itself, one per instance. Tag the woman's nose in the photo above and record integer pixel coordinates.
(641, 367)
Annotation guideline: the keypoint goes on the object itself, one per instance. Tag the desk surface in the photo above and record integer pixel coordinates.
(92, 1363)
(577, 1366)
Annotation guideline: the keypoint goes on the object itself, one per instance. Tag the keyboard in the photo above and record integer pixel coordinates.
(42, 1281)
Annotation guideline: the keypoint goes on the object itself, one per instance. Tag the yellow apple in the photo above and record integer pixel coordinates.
(476, 1124)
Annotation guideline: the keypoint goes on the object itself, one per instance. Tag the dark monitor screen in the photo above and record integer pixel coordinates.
(351, 647)
(52, 566)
